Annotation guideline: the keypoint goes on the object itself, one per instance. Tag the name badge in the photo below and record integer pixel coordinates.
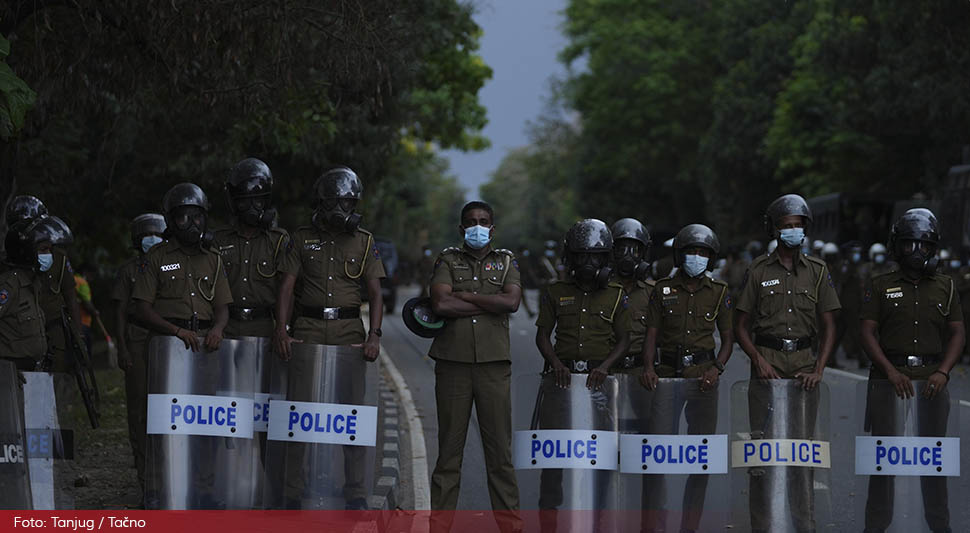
(673, 454)
(564, 448)
(326, 423)
(780, 452)
(196, 414)
(907, 456)
(892, 295)
(770, 283)
(173, 266)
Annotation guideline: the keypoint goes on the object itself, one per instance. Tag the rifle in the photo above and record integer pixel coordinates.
(82, 369)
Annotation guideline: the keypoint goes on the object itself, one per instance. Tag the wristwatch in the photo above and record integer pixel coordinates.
(379, 333)
(719, 366)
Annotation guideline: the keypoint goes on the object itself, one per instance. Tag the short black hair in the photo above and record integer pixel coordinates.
(477, 204)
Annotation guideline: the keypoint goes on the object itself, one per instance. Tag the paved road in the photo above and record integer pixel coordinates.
(409, 354)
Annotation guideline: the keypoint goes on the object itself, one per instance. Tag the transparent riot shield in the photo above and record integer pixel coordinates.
(781, 457)
(14, 474)
(270, 385)
(47, 443)
(907, 460)
(673, 458)
(200, 426)
(322, 438)
(565, 449)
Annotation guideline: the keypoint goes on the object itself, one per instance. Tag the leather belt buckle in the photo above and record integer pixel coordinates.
(580, 366)
(914, 361)
(789, 345)
(687, 360)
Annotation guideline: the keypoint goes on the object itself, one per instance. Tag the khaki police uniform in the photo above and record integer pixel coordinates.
(473, 366)
(329, 268)
(913, 318)
(136, 377)
(638, 296)
(22, 337)
(55, 294)
(252, 265)
(784, 307)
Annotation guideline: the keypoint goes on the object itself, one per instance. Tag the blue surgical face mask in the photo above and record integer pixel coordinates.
(792, 237)
(550, 253)
(148, 241)
(695, 265)
(879, 259)
(856, 257)
(954, 264)
(45, 261)
(477, 237)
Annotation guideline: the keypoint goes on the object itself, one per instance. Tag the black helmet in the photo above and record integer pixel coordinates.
(49, 228)
(145, 224)
(185, 195)
(249, 188)
(19, 243)
(629, 264)
(24, 207)
(588, 246)
(694, 236)
(339, 183)
(917, 224)
(783, 206)
(420, 318)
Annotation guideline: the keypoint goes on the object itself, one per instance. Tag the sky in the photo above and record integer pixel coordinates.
(520, 41)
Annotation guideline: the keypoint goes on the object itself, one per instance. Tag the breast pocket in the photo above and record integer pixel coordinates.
(805, 297)
(771, 301)
(172, 285)
(463, 280)
(493, 283)
(315, 262)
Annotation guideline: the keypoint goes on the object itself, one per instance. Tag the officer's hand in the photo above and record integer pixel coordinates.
(124, 360)
(765, 370)
(902, 384)
(934, 385)
(809, 379)
(562, 374)
(189, 338)
(282, 342)
(212, 339)
(596, 377)
(708, 381)
(649, 378)
(372, 347)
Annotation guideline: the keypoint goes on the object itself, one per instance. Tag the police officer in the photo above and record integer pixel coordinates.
(252, 249)
(631, 247)
(589, 315)
(684, 310)
(475, 287)
(146, 232)
(784, 295)
(917, 314)
(323, 271)
(22, 337)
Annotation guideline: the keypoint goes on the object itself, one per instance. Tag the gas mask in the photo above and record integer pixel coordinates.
(189, 225)
(336, 214)
(253, 211)
(590, 268)
(919, 257)
(629, 264)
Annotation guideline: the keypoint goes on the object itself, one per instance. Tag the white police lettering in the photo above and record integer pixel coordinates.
(334, 423)
(673, 454)
(195, 414)
(11, 453)
(892, 295)
(907, 456)
(173, 266)
(770, 283)
(261, 410)
(780, 452)
(565, 448)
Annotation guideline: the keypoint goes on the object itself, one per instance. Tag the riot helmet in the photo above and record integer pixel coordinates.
(631, 246)
(783, 206)
(420, 318)
(853, 251)
(336, 194)
(914, 239)
(695, 236)
(249, 188)
(186, 213)
(830, 251)
(876, 250)
(24, 207)
(52, 229)
(588, 245)
(20, 243)
(147, 225)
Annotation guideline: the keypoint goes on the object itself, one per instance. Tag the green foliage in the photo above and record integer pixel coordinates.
(16, 98)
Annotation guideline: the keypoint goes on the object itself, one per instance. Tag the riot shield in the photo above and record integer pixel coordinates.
(907, 460)
(200, 425)
(780, 456)
(322, 438)
(565, 448)
(47, 442)
(14, 474)
(672, 459)
(270, 385)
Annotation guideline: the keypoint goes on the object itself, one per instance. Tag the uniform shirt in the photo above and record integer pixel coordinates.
(583, 320)
(686, 319)
(481, 338)
(785, 303)
(180, 281)
(53, 283)
(252, 264)
(912, 315)
(124, 282)
(21, 318)
(329, 268)
(638, 302)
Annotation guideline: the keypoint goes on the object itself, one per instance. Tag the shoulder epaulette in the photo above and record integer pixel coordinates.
(450, 250)
(719, 281)
(816, 260)
(365, 232)
(279, 230)
(758, 260)
(646, 283)
(505, 251)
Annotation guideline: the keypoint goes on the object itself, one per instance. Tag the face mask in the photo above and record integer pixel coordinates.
(792, 237)
(427, 253)
(477, 237)
(918, 262)
(695, 265)
(856, 257)
(550, 254)
(879, 259)
(954, 264)
(336, 219)
(148, 241)
(45, 261)
(525, 253)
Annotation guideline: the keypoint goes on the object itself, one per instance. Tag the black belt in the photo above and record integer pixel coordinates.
(630, 361)
(330, 313)
(914, 361)
(681, 359)
(783, 345)
(193, 324)
(576, 366)
(250, 313)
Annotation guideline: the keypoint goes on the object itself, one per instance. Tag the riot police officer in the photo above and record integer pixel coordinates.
(784, 294)
(252, 249)
(684, 311)
(631, 247)
(917, 314)
(146, 232)
(321, 283)
(22, 337)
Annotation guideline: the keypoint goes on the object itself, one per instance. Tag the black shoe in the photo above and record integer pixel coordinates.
(357, 504)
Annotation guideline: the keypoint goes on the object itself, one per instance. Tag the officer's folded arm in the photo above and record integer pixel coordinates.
(504, 302)
(448, 304)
